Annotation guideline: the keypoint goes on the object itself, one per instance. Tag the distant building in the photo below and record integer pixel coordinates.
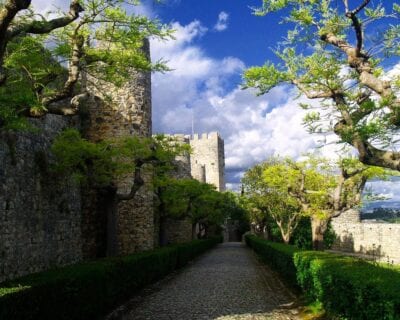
(207, 160)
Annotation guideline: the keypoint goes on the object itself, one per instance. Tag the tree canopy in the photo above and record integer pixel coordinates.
(333, 52)
(96, 39)
(286, 190)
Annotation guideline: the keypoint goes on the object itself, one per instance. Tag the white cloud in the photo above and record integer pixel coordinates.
(43, 6)
(222, 23)
(253, 127)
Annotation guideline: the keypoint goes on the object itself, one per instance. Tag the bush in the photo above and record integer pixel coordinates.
(91, 290)
(277, 255)
(301, 236)
(348, 287)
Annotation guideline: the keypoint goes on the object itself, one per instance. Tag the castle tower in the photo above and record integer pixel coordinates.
(122, 112)
(208, 159)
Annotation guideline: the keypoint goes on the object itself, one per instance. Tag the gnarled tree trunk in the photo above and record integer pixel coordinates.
(318, 228)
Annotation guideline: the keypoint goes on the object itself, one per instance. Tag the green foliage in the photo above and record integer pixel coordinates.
(91, 290)
(348, 287)
(113, 40)
(85, 160)
(31, 69)
(199, 201)
(302, 237)
(320, 56)
(112, 49)
(99, 164)
(279, 256)
(263, 78)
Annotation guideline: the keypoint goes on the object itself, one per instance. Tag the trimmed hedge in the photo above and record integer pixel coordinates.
(91, 290)
(277, 255)
(347, 287)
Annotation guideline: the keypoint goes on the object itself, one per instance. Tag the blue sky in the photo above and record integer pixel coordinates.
(246, 37)
(215, 41)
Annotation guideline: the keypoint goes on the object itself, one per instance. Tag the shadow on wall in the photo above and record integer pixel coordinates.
(345, 244)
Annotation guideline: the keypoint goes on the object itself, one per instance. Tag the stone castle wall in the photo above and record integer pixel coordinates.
(205, 164)
(176, 230)
(40, 213)
(123, 112)
(207, 160)
(376, 240)
(49, 221)
(208, 152)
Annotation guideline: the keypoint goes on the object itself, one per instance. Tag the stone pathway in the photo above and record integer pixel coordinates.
(227, 282)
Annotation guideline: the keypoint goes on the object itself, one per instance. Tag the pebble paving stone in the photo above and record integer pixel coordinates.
(226, 283)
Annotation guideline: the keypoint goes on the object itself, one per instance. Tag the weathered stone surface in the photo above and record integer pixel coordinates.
(208, 152)
(40, 213)
(378, 240)
(178, 230)
(121, 112)
(206, 163)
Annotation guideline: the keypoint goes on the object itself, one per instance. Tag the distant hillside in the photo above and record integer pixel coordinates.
(384, 213)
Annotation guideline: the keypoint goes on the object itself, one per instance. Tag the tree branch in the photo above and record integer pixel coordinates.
(358, 31)
(73, 72)
(309, 94)
(7, 32)
(138, 182)
(42, 27)
(360, 7)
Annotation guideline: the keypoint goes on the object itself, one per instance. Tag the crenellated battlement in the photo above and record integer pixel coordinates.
(207, 160)
(205, 136)
(208, 155)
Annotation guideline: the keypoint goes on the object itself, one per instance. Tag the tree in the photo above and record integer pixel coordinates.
(344, 70)
(101, 165)
(189, 198)
(12, 27)
(102, 43)
(287, 190)
(267, 197)
(325, 192)
(254, 200)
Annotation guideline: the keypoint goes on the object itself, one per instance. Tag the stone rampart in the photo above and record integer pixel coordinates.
(122, 112)
(377, 240)
(178, 230)
(40, 212)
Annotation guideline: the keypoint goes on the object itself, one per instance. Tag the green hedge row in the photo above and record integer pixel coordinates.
(277, 255)
(91, 290)
(347, 287)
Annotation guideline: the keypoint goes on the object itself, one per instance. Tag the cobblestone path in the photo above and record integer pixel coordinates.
(227, 282)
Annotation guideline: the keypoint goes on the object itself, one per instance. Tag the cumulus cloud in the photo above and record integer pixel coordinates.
(222, 23)
(44, 7)
(253, 127)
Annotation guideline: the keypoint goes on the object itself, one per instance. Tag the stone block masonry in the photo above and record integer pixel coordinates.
(126, 112)
(206, 163)
(208, 159)
(122, 112)
(40, 214)
(377, 240)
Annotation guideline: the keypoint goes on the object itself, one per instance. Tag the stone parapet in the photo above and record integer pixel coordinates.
(380, 240)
